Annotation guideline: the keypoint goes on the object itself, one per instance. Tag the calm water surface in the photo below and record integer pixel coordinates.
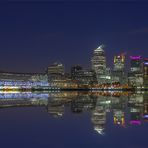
(73, 120)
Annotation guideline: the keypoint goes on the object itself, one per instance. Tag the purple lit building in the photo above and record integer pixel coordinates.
(136, 64)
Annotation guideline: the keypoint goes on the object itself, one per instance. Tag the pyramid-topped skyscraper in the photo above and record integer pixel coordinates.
(99, 60)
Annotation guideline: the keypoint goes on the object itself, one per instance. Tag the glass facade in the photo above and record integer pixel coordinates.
(99, 60)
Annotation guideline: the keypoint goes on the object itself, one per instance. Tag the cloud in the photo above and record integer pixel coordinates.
(140, 31)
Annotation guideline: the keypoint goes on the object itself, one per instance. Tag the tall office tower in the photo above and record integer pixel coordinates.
(118, 73)
(75, 70)
(136, 64)
(119, 62)
(99, 64)
(145, 72)
(135, 76)
(145, 67)
(99, 60)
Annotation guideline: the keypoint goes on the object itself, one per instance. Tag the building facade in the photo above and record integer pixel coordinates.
(136, 64)
(118, 72)
(55, 71)
(145, 72)
(135, 76)
(99, 63)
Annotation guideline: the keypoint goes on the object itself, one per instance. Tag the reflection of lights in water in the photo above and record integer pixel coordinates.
(18, 84)
(99, 119)
(16, 95)
(145, 116)
(138, 122)
(119, 118)
(99, 130)
(10, 92)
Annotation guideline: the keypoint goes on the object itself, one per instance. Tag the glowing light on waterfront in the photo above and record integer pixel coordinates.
(145, 63)
(135, 57)
(145, 116)
(135, 122)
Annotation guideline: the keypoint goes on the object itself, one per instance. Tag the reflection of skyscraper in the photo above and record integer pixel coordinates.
(145, 106)
(119, 117)
(99, 119)
(135, 116)
(82, 102)
(55, 107)
(118, 105)
(135, 103)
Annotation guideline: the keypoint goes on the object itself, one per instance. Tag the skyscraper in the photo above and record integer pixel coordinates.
(118, 73)
(119, 62)
(99, 63)
(99, 60)
(145, 72)
(145, 67)
(136, 64)
(135, 77)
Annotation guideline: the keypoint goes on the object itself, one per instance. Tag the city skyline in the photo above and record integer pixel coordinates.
(127, 62)
(73, 73)
(35, 35)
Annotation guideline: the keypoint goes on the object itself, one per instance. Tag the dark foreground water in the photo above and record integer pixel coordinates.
(73, 120)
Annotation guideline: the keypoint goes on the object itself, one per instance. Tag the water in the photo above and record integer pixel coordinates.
(73, 120)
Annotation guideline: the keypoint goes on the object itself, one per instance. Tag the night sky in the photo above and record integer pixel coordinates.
(33, 35)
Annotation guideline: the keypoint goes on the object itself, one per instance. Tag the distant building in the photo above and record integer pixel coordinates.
(99, 60)
(56, 68)
(136, 64)
(145, 72)
(13, 76)
(118, 73)
(55, 71)
(75, 71)
(83, 76)
(99, 63)
(23, 80)
(119, 62)
(135, 76)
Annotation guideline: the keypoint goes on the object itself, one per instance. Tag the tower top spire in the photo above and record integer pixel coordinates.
(100, 48)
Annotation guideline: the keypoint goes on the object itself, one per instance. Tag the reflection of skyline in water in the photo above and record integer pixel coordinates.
(125, 108)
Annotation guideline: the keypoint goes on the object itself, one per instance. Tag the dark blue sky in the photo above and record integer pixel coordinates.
(35, 34)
